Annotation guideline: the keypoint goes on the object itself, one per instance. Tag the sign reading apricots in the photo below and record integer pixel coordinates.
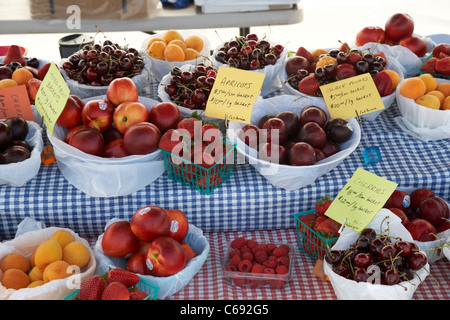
(360, 200)
(353, 96)
(233, 94)
(51, 97)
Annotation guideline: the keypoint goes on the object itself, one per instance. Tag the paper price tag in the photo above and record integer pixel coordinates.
(233, 94)
(15, 102)
(360, 200)
(356, 94)
(51, 97)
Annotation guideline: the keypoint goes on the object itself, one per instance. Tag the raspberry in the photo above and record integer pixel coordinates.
(257, 268)
(245, 249)
(281, 270)
(235, 260)
(251, 243)
(269, 271)
(279, 252)
(284, 260)
(259, 247)
(270, 247)
(234, 252)
(261, 256)
(270, 264)
(231, 267)
(238, 243)
(285, 247)
(245, 266)
(247, 255)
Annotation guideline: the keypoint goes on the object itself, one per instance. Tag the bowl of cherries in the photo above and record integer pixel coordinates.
(89, 71)
(188, 86)
(255, 54)
(377, 263)
(304, 73)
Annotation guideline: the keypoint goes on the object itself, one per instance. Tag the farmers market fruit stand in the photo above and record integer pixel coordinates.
(246, 205)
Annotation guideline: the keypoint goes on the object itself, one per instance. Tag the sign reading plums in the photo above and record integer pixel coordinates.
(51, 97)
(358, 94)
(360, 200)
(233, 94)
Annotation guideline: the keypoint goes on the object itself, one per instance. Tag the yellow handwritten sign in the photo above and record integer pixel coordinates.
(360, 200)
(356, 94)
(15, 102)
(52, 97)
(233, 94)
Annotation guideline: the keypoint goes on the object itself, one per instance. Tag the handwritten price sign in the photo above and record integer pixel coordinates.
(233, 94)
(360, 200)
(356, 94)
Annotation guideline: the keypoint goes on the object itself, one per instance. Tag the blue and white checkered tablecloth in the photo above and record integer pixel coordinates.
(246, 201)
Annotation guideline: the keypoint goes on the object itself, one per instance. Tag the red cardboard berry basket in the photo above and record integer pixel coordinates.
(254, 278)
(311, 243)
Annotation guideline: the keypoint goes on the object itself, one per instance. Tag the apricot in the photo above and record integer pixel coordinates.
(317, 53)
(438, 94)
(36, 274)
(446, 103)
(15, 279)
(8, 83)
(156, 50)
(429, 101)
(179, 43)
(31, 259)
(64, 237)
(172, 52)
(191, 54)
(47, 252)
(413, 88)
(36, 283)
(76, 253)
(172, 35)
(395, 77)
(430, 82)
(153, 40)
(326, 60)
(57, 270)
(21, 76)
(444, 87)
(194, 42)
(15, 261)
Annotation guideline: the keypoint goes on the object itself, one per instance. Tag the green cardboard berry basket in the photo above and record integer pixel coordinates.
(197, 177)
(310, 242)
(143, 285)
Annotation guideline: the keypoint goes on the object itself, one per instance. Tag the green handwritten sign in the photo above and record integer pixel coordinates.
(360, 200)
(51, 97)
(356, 94)
(233, 94)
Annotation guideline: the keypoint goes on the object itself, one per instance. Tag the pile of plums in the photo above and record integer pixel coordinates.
(13, 147)
(99, 64)
(296, 139)
(396, 261)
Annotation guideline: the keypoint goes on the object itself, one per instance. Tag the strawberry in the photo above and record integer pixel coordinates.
(441, 48)
(430, 65)
(92, 288)
(344, 47)
(319, 221)
(138, 295)
(443, 66)
(309, 85)
(116, 291)
(322, 205)
(383, 82)
(210, 133)
(193, 127)
(329, 228)
(302, 52)
(127, 278)
(443, 55)
(308, 219)
(353, 58)
(172, 139)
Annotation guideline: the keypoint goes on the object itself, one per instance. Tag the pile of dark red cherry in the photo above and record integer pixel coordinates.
(397, 260)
